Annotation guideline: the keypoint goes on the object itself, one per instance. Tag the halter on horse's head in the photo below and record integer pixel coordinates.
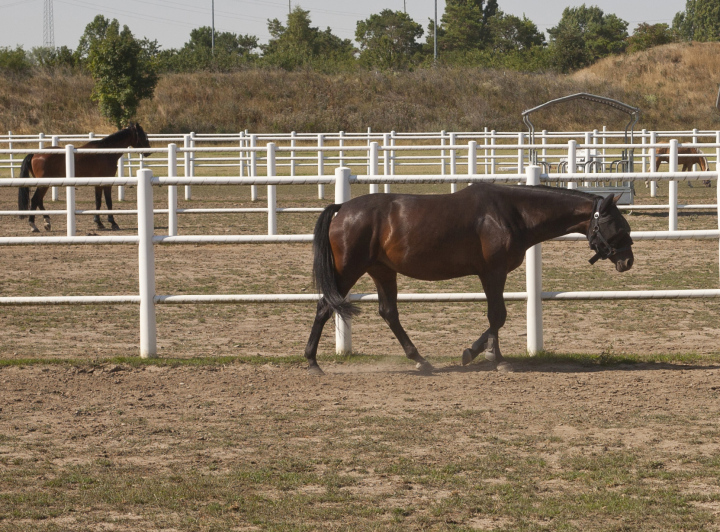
(609, 235)
(140, 138)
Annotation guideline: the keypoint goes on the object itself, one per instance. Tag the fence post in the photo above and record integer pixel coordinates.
(533, 282)
(12, 167)
(172, 191)
(717, 182)
(146, 262)
(453, 161)
(472, 158)
(673, 187)
(271, 190)
(521, 154)
(343, 329)
(70, 190)
(54, 192)
(653, 164)
(544, 142)
(253, 167)
(493, 165)
(341, 153)
(242, 153)
(321, 164)
(386, 160)
(293, 135)
(121, 173)
(442, 153)
(485, 151)
(188, 165)
(373, 167)
(572, 162)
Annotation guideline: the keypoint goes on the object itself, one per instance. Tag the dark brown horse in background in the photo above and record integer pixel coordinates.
(483, 230)
(86, 165)
(687, 157)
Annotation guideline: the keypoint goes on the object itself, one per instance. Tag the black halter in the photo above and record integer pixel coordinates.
(604, 232)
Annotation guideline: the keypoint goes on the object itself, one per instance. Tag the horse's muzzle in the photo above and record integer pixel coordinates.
(624, 265)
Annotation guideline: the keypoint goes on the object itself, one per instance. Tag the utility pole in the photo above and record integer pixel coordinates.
(435, 34)
(213, 27)
(48, 25)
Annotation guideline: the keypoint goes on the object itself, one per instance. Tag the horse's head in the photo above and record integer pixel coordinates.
(139, 138)
(609, 234)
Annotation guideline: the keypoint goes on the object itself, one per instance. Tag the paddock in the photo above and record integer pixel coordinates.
(613, 425)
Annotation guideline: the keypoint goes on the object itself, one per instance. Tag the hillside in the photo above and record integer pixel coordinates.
(672, 84)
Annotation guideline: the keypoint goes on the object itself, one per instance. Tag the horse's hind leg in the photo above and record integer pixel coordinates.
(37, 203)
(386, 283)
(494, 286)
(108, 202)
(98, 205)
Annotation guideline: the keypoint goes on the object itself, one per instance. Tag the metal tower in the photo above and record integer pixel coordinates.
(48, 25)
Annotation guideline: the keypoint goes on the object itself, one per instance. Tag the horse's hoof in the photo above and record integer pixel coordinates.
(424, 366)
(315, 370)
(34, 229)
(467, 357)
(505, 367)
(115, 227)
(47, 227)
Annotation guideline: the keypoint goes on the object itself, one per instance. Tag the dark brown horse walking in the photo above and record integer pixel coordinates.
(86, 165)
(687, 157)
(483, 230)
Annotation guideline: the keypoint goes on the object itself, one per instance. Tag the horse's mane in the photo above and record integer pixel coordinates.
(112, 139)
(562, 191)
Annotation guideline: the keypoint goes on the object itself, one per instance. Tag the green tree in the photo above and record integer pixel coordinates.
(463, 25)
(53, 57)
(231, 52)
(584, 35)
(648, 35)
(507, 33)
(124, 70)
(300, 45)
(14, 61)
(700, 21)
(388, 40)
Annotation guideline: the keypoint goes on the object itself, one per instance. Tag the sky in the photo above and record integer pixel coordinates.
(170, 21)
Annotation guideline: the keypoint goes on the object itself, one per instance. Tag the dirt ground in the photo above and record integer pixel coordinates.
(84, 446)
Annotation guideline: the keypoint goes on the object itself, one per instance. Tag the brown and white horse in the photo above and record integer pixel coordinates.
(687, 157)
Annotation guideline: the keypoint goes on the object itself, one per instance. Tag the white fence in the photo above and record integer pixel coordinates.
(342, 179)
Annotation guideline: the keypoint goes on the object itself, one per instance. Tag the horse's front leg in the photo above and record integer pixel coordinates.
(494, 286)
(108, 203)
(98, 206)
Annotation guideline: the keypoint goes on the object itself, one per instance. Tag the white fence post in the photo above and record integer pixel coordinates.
(341, 153)
(533, 282)
(653, 164)
(293, 135)
(572, 162)
(121, 173)
(453, 161)
(521, 154)
(442, 153)
(386, 160)
(253, 167)
(544, 142)
(191, 159)
(172, 191)
(472, 157)
(70, 190)
(374, 166)
(493, 165)
(188, 165)
(146, 262)
(54, 192)
(12, 163)
(717, 182)
(271, 190)
(343, 328)
(673, 187)
(321, 164)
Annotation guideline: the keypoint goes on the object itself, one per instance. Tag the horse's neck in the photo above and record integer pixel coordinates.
(553, 215)
(120, 139)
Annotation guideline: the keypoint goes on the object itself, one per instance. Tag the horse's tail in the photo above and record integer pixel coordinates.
(24, 192)
(703, 162)
(324, 273)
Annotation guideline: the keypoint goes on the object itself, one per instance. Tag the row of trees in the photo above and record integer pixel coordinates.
(471, 32)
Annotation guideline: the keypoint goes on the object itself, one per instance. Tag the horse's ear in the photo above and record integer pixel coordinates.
(606, 202)
(616, 198)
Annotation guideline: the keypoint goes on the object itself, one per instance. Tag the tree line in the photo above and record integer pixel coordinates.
(473, 33)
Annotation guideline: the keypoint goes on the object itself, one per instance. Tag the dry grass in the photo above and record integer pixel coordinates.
(672, 84)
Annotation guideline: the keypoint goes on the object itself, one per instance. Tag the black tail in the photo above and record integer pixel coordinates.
(24, 192)
(324, 266)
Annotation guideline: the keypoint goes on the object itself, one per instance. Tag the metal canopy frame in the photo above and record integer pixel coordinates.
(634, 113)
